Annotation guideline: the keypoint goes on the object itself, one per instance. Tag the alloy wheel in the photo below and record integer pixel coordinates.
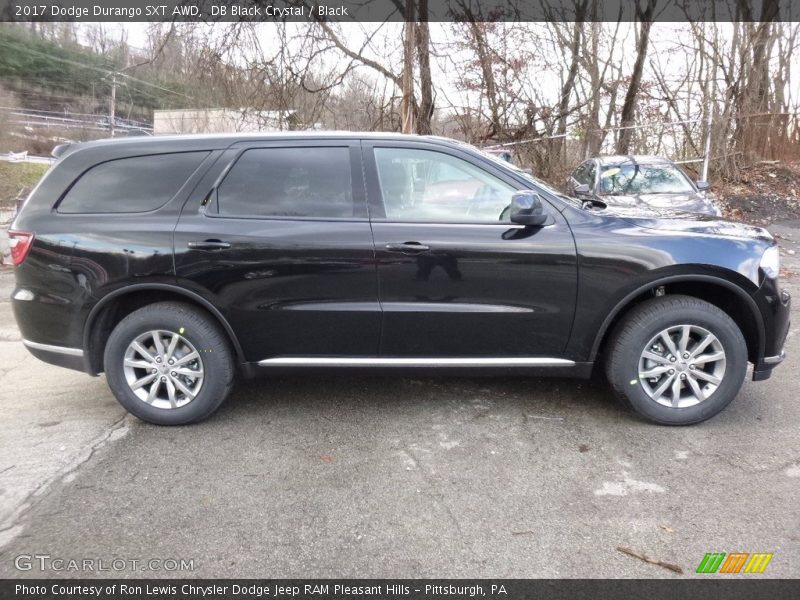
(682, 366)
(163, 369)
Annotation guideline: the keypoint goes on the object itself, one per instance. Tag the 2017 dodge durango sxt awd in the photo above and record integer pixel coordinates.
(172, 263)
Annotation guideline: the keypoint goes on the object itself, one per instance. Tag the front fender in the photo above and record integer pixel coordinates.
(588, 345)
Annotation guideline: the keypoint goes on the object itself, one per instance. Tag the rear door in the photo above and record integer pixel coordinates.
(456, 278)
(277, 237)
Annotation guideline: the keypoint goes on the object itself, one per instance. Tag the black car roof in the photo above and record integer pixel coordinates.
(223, 140)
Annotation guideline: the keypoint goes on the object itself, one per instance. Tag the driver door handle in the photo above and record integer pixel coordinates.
(209, 245)
(408, 247)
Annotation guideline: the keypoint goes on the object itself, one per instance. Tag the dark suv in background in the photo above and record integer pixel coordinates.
(172, 263)
(647, 183)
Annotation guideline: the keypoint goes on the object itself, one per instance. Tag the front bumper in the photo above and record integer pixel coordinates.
(776, 321)
(763, 369)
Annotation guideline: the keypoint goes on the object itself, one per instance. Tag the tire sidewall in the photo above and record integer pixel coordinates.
(732, 342)
(200, 333)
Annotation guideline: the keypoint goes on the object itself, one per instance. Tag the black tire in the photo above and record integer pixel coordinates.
(197, 328)
(641, 325)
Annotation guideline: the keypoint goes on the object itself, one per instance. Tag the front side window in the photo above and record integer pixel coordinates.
(430, 186)
(289, 182)
(643, 179)
(580, 174)
(590, 172)
(131, 185)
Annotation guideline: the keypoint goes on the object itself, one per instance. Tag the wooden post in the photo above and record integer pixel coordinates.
(407, 106)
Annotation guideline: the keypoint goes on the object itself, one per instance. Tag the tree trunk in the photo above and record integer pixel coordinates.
(425, 108)
(484, 54)
(569, 82)
(629, 105)
(407, 105)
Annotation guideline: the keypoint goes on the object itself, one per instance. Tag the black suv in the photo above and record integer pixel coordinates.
(171, 263)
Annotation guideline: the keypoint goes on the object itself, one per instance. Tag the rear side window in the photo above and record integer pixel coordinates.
(131, 185)
(289, 182)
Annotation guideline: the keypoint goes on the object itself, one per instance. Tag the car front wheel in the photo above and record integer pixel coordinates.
(677, 360)
(169, 364)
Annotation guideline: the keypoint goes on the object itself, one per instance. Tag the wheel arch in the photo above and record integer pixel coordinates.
(740, 306)
(115, 305)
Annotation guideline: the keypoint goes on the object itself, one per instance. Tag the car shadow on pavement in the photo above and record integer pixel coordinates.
(328, 394)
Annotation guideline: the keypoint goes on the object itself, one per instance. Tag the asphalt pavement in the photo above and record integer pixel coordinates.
(391, 477)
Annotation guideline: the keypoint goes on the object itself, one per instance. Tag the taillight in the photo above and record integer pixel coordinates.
(20, 243)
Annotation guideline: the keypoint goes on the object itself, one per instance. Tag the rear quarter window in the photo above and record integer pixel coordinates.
(131, 185)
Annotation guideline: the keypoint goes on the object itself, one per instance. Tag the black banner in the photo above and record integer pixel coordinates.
(267, 11)
(739, 588)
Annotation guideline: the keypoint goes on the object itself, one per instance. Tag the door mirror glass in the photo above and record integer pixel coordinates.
(527, 209)
(702, 186)
(582, 190)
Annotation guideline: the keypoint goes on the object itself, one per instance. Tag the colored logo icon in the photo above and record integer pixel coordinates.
(735, 562)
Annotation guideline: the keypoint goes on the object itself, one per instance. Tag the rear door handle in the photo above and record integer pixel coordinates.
(209, 245)
(408, 247)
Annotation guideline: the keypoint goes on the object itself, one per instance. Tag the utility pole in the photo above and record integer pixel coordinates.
(112, 103)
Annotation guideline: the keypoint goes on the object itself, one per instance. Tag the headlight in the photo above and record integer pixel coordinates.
(771, 262)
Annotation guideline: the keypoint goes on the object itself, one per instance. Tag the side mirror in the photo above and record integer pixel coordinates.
(702, 186)
(582, 190)
(527, 209)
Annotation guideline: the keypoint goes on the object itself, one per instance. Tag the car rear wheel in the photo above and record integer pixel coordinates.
(676, 360)
(169, 364)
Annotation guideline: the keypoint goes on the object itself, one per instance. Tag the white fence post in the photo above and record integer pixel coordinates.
(707, 152)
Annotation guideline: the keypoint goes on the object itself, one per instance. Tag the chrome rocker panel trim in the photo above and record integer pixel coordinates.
(324, 361)
(56, 349)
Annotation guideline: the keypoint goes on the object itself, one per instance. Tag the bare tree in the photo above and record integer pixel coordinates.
(425, 107)
(416, 111)
(645, 20)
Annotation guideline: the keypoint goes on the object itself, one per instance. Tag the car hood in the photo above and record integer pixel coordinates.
(689, 202)
(680, 221)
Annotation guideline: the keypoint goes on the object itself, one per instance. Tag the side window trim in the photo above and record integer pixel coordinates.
(210, 204)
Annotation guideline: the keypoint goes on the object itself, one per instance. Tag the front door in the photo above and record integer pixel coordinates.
(456, 279)
(278, 238)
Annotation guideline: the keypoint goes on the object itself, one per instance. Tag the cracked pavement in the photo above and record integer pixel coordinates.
(396, 477)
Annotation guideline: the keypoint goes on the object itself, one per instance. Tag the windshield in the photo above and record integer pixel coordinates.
(643, 179)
